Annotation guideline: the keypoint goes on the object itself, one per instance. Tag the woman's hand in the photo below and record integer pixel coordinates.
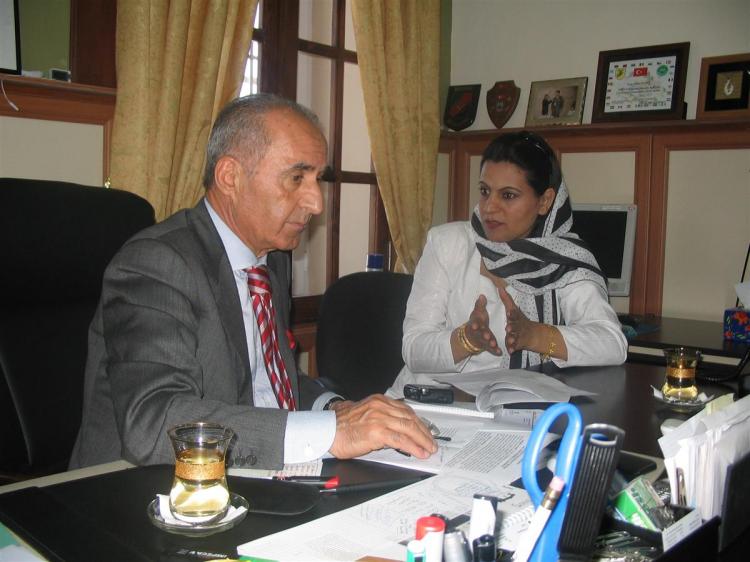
(520, 332)
(475, 336)
(478, 330)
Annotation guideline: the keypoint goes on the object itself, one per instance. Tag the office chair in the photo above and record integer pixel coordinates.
(360, 327)
(57, 239)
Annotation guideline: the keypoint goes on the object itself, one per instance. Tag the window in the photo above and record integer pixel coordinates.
(305, 50)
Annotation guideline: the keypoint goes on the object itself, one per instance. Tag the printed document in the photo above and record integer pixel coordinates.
(382, 526)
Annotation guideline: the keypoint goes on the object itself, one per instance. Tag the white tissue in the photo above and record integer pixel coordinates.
(743, 293)
(166, 513)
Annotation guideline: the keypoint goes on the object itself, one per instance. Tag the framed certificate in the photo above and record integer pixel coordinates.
(644, 83)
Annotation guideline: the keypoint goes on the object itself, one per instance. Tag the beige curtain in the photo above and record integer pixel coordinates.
(398, 48)
(178, 63)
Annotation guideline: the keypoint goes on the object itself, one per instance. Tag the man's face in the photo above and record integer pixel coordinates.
(274, 200)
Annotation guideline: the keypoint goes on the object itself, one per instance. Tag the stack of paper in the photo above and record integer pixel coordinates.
(701, 450)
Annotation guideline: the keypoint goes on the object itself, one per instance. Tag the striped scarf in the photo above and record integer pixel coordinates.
(551, 258)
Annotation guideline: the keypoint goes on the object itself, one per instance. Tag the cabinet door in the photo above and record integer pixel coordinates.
(707, 231)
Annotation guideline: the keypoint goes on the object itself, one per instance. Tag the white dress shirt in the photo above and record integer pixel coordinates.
(309, 434)
(448, 281)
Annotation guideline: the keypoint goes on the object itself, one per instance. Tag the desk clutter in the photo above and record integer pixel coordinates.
(542, 486)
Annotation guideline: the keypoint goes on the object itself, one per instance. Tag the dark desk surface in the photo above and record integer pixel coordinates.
(107, 513)
(624, 398)
(706, 336)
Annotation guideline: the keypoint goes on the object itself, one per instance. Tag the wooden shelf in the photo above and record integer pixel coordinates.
(41, 98)
(596, 129)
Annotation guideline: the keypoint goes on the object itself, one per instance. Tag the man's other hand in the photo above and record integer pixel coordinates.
(378, 422)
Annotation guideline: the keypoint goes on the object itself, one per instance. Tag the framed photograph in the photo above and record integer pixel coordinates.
(10, 38)
(724, 90)
(461, 106)
(644, 83)
(556, 102)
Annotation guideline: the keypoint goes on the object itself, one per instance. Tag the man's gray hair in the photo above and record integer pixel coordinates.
(240, 130)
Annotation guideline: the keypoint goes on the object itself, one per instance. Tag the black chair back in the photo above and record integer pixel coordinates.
(56, 239)
(360, 327)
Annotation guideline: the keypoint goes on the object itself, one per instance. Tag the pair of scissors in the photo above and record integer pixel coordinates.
(546, 549)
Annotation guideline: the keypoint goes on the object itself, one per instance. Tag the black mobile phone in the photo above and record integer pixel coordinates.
(429, 393)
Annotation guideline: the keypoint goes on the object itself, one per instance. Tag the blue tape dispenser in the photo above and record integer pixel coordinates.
(565, 467)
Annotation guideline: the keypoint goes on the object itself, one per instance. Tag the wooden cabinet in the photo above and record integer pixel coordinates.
(651, 145)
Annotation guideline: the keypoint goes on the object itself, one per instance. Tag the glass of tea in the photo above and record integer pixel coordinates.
(199, 491)
(679, 385)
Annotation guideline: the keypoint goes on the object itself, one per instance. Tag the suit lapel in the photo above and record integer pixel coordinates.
(221, 280)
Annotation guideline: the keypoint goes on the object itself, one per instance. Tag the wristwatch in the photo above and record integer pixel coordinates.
(332, 401)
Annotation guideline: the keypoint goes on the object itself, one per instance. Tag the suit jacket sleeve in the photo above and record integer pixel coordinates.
(171, 360)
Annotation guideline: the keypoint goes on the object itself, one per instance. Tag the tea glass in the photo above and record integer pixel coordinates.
(199, 491)
(679, 383)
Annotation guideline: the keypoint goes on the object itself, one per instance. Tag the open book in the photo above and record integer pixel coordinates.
(496, 389)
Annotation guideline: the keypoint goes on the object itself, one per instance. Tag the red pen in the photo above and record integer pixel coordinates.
(324, 482)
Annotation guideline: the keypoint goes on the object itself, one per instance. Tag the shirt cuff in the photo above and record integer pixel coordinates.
(309, 435)
(323, 399)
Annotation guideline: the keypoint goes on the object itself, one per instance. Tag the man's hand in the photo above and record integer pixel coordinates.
(478, 330)
(378, 422)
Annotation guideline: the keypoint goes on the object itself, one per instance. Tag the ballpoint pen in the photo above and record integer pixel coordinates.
(325, 482)
(366, 486)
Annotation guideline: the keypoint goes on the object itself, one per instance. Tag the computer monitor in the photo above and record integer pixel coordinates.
(609, 231)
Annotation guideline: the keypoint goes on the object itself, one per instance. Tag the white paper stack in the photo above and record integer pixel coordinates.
(703, 448)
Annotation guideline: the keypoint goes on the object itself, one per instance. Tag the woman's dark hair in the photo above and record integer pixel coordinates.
(530, 153)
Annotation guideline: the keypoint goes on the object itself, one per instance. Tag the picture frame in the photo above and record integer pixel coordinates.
(10, 38)
(641, 84)
(724, 90)
(461, 106)
(556, 102)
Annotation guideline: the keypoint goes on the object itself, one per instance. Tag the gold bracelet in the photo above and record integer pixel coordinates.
(464, 341)
(550, 351)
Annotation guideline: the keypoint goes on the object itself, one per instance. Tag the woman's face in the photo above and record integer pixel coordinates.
(508, 205)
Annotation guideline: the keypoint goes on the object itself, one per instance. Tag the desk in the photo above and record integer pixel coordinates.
(672, 332)
(623, 398)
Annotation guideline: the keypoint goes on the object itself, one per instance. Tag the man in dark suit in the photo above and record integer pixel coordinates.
(176, 339)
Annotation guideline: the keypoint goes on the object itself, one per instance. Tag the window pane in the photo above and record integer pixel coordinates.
(250, 81)
(316, 21)
(309, 258)
(258, 12)
(355, 149)
(314, 87)
(350, 41)
(354, 228)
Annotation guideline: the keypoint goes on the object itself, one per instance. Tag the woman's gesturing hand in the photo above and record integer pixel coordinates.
(519, 330)
(478, 330)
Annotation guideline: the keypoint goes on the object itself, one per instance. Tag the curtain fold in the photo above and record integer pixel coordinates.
(178, 63)
(398, 49)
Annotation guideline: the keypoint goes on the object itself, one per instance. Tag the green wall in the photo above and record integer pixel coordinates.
(45, 34)
(446, 27)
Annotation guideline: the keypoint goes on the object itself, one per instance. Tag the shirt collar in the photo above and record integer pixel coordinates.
(240, 256)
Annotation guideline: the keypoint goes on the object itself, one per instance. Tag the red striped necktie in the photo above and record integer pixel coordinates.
(260, 294)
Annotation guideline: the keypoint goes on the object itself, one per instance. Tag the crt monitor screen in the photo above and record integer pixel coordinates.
(609, 231)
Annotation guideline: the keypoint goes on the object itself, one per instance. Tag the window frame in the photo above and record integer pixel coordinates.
(280, 45)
